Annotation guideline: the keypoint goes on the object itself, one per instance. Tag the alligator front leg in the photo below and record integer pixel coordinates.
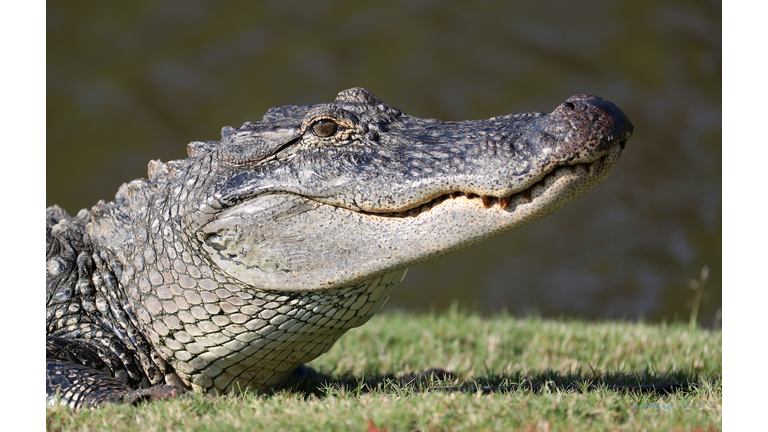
(77, 376)
(79, 386)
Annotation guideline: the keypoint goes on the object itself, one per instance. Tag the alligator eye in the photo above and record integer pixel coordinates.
(325, 128)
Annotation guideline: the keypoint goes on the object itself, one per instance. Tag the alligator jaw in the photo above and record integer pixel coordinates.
(394, 190)
(321, 247)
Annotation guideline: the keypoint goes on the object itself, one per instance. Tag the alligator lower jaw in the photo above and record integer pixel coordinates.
(519, 198)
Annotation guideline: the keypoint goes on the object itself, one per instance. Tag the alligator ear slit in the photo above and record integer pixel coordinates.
(287, 144)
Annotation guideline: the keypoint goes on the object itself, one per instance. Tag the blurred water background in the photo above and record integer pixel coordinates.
(135, 81)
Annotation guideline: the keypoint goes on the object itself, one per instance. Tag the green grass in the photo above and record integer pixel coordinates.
(365, 394)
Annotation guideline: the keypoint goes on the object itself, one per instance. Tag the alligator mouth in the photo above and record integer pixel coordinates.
(320, 246)
(525, 196)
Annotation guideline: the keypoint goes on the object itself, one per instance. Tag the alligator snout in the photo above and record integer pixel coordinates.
(604, 116)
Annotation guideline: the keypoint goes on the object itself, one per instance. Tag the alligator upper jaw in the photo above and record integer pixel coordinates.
(286, 242)
(404, 161)
(524, 196)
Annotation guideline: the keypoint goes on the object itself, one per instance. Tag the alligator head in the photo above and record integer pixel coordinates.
(324, 196)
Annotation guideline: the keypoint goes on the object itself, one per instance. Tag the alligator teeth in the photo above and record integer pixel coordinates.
(490, 201)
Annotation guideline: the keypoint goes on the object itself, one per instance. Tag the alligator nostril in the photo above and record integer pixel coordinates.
(570, 106)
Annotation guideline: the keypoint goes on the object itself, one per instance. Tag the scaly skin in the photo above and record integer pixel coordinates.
(228, 270)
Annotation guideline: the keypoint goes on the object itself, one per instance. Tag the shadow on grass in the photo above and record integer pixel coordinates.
(309, 382)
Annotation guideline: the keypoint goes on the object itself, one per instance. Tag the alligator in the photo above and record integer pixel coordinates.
(228, 270)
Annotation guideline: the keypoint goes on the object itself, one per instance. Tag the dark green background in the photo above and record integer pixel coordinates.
(134, 81)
